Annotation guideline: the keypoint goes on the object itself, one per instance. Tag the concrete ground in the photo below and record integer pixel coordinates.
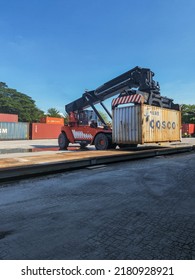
(16, 148)
(44, 143)
(28, 143)
(142, 209)
(49, 146)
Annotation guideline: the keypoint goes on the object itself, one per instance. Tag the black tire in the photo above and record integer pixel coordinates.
(63, 141)
(101, 142)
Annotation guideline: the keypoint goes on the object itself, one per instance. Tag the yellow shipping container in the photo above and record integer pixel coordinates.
(143, 123)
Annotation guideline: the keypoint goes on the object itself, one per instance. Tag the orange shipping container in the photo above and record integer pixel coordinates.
(8, 117)
(45, 131)
(51, 120)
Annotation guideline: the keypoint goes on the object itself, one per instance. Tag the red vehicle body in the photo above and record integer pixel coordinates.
(76, 132)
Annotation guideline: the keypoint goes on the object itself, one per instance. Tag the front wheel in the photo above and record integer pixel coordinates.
(63, 141)
(101, 142)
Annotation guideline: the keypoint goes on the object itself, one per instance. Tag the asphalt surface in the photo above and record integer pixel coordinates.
(142, 209)
(19, 159)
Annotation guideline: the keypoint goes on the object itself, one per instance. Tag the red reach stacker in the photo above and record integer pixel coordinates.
(130, 86)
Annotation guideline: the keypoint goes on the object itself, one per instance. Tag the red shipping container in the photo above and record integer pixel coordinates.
(8, 117)
(188, 128)
(51, 120)
(45, 131)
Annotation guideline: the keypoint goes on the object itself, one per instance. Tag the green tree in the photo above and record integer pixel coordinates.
(188, 113)
(53, 112)
(14, 102)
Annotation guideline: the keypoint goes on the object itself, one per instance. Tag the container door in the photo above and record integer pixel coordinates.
(127, 125)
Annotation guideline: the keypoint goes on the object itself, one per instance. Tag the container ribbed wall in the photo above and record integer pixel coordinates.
(45, 131)
(14, 131)
(127, 125)
(8, 117)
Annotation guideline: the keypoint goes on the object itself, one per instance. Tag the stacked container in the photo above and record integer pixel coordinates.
(11, 129)
(51, 120)
(8, 117)
(188, 129)
(45, 131)
(14, 131)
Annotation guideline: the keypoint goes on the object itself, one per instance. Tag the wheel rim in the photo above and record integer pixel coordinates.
(101, 142)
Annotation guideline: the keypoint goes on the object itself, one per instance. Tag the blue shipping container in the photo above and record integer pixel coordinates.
(14, 131)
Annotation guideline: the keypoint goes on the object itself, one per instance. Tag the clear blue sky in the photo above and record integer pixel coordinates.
(52, 50)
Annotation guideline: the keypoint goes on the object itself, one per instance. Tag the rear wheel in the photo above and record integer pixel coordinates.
(63, 141)
(101, 142)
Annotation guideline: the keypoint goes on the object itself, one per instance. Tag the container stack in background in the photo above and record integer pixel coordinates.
(8, 118)
(11, 129)
(188, 129)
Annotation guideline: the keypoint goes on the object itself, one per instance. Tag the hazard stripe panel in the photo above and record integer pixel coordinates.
(134, 98)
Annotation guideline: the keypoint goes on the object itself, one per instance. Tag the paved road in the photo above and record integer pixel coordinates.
(143, 209)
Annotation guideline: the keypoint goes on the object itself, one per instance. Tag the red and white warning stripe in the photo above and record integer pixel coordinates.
(133, 98)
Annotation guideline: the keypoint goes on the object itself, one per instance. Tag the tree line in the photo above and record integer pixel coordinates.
(188, 113)
(15, 102)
